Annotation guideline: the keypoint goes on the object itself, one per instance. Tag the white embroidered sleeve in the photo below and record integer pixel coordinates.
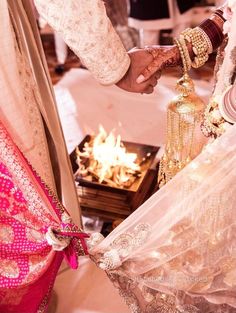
(87, 30)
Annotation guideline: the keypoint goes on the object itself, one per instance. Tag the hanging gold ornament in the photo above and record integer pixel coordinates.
(184, 137)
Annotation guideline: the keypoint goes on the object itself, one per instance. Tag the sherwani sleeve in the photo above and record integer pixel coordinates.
(87, 30)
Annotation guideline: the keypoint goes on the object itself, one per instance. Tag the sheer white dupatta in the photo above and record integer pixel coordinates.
(177, 252)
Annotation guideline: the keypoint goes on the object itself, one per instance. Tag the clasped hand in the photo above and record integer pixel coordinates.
(146, 66)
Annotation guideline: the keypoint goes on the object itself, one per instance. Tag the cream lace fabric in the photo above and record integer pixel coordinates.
(88, 32)
(177, 252)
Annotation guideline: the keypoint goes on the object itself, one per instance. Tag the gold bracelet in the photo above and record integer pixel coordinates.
(186, 55)
(207, 39)
(182, 55)
(195, 37)
(199, 45)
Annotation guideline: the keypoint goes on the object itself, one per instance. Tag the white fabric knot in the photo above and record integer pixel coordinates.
(58, 244)
(110, 260)
(94, 240)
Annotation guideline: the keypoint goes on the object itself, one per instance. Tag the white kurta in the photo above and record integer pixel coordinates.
(89, 33)
(27, 103)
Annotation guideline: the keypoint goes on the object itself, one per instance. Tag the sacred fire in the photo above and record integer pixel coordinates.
(105, 159)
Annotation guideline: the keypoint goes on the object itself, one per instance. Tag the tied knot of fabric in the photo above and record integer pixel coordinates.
(58, 243)
(69, 239)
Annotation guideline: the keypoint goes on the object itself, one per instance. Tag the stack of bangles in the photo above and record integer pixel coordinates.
(194, 46)
(203, 39)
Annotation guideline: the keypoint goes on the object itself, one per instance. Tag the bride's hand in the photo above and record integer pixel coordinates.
(163, 56)
(140, 60)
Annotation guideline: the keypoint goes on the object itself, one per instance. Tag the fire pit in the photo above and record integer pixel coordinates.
(113, 177)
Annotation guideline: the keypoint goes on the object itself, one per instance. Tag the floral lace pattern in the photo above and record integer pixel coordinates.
(187, 265)
(181, 263)
(88, 32)
(123, 245)
(174, 270)
(159, 302)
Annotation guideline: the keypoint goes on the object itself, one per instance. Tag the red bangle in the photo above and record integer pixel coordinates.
(213, 31)
(220, 14)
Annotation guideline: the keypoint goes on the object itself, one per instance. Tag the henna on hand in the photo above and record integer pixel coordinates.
(140, 59)
(165, 56)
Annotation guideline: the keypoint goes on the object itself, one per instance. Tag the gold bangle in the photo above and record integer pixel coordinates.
(207, 39)
(186, 55)
(199, 44)
(184, 62)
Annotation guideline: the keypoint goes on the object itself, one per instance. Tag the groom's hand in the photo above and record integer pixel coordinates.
(140, 60)
(163, 56)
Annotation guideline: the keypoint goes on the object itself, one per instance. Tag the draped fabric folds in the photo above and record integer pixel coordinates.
(27, 103)
(28, 263)
(178, 250)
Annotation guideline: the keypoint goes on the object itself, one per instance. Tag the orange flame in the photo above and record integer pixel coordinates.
(108, 160)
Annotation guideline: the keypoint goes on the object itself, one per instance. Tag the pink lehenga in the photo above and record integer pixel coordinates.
(36, 233)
